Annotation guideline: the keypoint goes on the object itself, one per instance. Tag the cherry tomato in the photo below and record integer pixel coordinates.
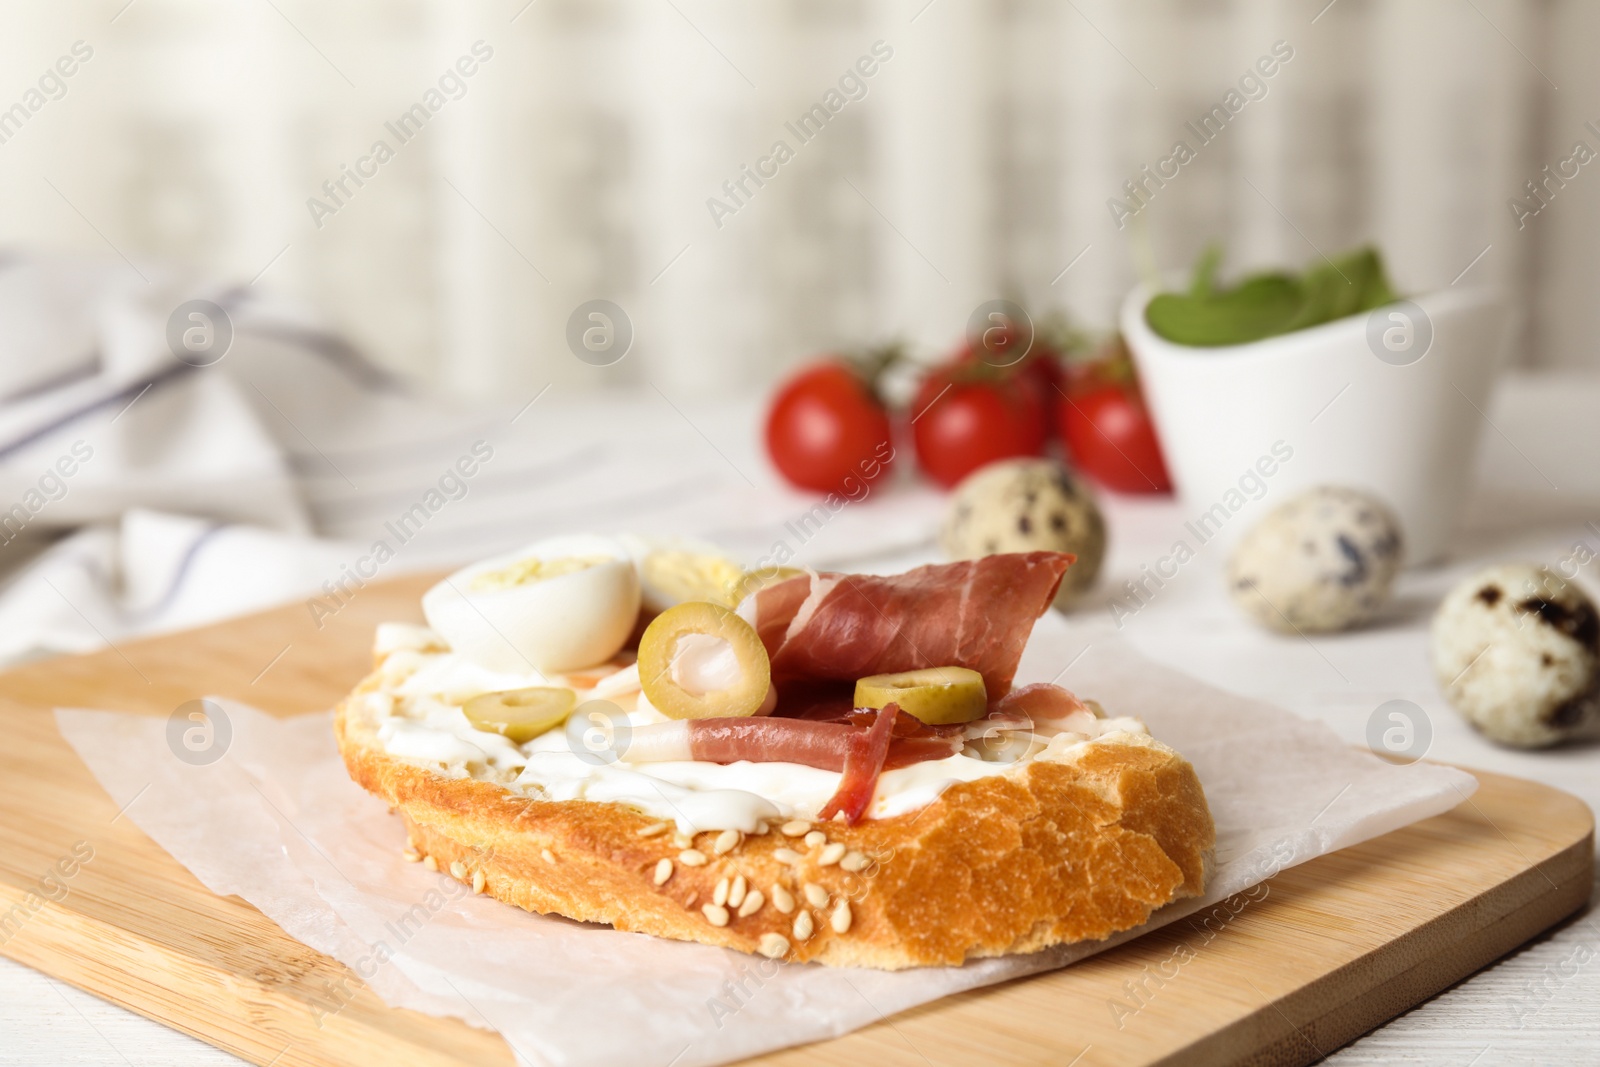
(826, 430)
(1034, 381)
(1040, 371)
(1107, 429)
(962, 420)
(1033, 392)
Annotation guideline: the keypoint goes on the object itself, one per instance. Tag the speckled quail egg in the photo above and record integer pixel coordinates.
(1027, 505)
(1516, 650)
(1324, 560)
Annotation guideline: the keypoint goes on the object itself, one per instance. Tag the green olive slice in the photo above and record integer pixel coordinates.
(702, 661)
(936, 695)
(521, 714)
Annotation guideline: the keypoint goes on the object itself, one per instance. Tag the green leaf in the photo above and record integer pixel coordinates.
(1258, 307)
(1205, 270)
(1270, 303)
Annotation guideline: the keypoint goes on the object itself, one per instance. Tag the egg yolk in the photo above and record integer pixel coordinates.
(533, 569)
(683, 576)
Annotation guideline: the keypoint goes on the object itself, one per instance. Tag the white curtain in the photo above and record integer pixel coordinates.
(579, 159)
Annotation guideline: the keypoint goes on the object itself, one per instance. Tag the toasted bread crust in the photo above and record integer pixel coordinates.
(1057, 852)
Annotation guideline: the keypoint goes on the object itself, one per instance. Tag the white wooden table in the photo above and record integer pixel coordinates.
(1541, 1005)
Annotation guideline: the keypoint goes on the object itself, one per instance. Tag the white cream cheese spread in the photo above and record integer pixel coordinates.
(418, 714)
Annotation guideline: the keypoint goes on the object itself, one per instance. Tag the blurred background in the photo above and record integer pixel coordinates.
(282, 282)
(577, 162)
(395, 219)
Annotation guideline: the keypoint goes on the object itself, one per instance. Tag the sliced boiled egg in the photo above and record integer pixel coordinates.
(556, 606)
(755, 581)
(677, 571)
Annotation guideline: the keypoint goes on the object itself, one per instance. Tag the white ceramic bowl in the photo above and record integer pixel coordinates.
(1404, 426)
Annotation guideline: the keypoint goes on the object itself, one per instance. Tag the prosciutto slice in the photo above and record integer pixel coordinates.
(1045, 708)
(825, 745)
(974, 613)
(764, 740)
(862, 765)
(1039, 702)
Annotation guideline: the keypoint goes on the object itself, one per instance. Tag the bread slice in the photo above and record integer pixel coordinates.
(1049, 853)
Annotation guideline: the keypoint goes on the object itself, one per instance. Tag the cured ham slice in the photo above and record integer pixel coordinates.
(1047, 709)
(974, 613)
(824, 631)
(763, 740)
(1040, 702)
(825, 745)
(862, 765)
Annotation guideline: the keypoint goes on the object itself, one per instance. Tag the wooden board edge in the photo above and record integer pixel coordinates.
(237, 1007)
(1309, 1031)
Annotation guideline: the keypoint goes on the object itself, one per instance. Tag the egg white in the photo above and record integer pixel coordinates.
(550, 625)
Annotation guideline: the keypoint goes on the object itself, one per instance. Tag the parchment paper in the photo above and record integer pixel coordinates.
(276, 821)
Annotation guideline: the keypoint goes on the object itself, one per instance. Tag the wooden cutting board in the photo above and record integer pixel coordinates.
(1329, 950)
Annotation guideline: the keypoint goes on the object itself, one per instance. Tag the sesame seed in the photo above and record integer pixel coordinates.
(782, 899)
(752, 903)
(715, 914)
(479, 880)
(719, 896)
(682, 840)
(803, 927)
(831, 855)
(816, 838)
(412, 857)
(726, 842)
(795, 828)
(761, 827)
(854, 861)
(549, 857)
(787, 855)
(654, 829)
(773, 946)
(458, 871)
(737, 891)
(429, 862)
(692, 857)
(816, 896)
(841, 917)
(663, 870)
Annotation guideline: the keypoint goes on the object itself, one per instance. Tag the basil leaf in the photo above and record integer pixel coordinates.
(1205, 270)
(1270, 303)
(1258, 307)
